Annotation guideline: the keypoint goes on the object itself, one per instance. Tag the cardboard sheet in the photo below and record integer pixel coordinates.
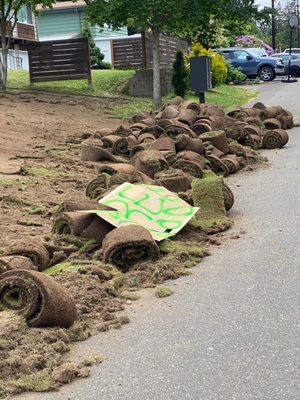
(155, 208)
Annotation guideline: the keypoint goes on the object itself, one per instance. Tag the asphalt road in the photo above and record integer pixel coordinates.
(231, 330)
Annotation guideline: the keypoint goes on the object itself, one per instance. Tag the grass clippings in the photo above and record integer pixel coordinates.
(163, 291)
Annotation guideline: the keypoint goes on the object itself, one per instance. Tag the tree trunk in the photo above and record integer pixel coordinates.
(3, 62)
(156, 69)
(3, 82)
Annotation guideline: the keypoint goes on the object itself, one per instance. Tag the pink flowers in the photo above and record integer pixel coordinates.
(252, 41)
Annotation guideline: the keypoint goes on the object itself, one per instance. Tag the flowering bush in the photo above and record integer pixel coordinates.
(252, 41)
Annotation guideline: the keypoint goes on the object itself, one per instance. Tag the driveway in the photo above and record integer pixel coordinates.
(231, 330)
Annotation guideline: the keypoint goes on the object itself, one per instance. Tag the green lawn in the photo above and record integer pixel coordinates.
(113, 83)
(106, 83)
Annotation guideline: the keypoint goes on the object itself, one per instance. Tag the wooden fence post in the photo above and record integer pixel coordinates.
(90, 83)
(144, 55)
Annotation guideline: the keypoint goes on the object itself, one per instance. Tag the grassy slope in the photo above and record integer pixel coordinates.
(112, 83)
(106, 83)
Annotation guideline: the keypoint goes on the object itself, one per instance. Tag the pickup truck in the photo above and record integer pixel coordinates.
(295, 63)
(254, 62)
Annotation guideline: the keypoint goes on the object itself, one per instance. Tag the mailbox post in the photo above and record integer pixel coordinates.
(201, 76)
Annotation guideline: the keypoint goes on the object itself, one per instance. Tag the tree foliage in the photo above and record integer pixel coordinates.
(157, 16)
(282, 13)
(218, 23)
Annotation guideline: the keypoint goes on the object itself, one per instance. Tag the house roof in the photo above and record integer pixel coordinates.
(64, 5)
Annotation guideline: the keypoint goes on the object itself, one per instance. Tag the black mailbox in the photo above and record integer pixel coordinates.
(201, 75)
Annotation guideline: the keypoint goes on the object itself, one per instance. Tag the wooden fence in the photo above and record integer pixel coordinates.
(127, 53)
(59, 60)
(136, 52)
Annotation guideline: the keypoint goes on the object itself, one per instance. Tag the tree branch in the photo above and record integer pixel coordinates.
(9, 38)
(8, 10)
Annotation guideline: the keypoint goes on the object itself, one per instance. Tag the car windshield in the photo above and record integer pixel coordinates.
(257, 52)
(295, 50)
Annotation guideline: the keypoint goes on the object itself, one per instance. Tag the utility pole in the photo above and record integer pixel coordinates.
(298, 27)
(273, 26)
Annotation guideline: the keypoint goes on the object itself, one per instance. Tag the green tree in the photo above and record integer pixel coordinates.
(182, 17)
(96, 56)
(179, 75)
(8, 20)
(282, 14)
(218, 23)
(156, 16)
(242, 17)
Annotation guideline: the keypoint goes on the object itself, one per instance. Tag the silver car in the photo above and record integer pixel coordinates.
(293, 50)
(295, 63)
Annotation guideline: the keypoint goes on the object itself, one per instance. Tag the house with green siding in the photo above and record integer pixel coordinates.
(64, 21)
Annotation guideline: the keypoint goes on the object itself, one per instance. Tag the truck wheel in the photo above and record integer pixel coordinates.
(295, 71)
(266, 74)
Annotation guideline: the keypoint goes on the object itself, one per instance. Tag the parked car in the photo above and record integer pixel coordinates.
(294, 50)
(254, 62)
(295, 63)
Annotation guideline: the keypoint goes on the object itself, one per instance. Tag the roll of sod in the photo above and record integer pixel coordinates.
(149, 162)
(72, 223)
(127, 245)
(38, 298)
(275, 139)
(8, 263)
(31, 249)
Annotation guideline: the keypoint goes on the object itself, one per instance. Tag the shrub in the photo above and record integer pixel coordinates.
(179, 75)
(96, 56)
(218, 64)
(219, 69)
(234, 75)
(101, 65)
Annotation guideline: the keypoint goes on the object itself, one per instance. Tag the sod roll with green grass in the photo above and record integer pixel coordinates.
(37, 297)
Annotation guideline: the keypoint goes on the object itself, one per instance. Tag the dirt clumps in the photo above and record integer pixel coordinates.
(67, 372)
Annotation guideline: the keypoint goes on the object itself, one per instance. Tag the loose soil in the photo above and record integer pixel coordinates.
(34, 129)
(40, 168)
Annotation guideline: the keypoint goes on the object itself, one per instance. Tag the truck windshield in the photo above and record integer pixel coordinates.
(257, 52)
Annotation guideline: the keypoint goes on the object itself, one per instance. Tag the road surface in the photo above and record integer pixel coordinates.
(231, 330)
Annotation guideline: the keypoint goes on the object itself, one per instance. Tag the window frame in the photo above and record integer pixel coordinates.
(240, 59)
(26, 8)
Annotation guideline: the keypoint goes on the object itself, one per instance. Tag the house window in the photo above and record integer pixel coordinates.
(25, 14)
